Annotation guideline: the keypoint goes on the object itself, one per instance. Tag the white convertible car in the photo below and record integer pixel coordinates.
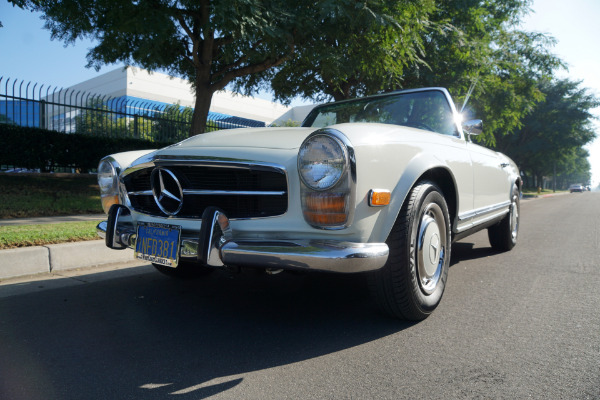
(380, 185)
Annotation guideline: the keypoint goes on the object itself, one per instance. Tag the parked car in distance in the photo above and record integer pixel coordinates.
(380, 185)
(576, 187)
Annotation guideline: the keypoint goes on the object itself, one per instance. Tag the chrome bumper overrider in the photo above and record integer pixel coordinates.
(215, 246)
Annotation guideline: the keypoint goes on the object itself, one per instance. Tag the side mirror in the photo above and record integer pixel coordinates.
(473, 127)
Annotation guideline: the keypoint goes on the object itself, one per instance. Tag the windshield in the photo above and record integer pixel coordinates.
(428, 110)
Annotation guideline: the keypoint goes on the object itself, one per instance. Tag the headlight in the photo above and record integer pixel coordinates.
(325, 167)
(108, 180)
(321, 162)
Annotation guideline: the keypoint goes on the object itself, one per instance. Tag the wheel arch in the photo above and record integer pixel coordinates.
(444, 179)
(419, 170)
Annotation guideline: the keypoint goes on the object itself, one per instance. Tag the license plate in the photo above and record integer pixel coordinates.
(158, 243)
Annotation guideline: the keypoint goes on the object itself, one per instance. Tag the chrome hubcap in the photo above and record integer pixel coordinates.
(514, 218)
(431, 248)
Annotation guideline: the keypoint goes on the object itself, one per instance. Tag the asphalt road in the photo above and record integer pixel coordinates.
(523, 324)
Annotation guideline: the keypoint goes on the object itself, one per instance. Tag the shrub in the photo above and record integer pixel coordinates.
(35, 148)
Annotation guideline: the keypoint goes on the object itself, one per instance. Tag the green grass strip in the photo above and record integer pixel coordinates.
(14, 236)
(24, 195)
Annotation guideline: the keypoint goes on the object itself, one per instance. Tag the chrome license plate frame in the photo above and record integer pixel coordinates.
(158, 243)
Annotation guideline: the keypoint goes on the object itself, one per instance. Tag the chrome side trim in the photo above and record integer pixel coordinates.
(483, 210)
(482, 221)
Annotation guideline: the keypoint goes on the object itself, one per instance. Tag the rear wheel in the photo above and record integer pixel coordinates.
(503, 235)
(185, 270)
(411, 284)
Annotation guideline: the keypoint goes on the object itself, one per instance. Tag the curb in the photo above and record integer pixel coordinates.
(58, 257)
(52, 220)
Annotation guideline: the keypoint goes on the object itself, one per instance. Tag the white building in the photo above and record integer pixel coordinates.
(139, 84)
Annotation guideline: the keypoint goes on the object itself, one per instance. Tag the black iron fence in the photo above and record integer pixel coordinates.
(77, 112)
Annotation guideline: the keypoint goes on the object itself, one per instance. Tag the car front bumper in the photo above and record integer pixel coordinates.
(216, 246)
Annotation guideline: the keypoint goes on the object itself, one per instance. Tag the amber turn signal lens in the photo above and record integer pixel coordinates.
(326, 202)
(379, 197)
(325, 219)
(108, 201)
(325, 209)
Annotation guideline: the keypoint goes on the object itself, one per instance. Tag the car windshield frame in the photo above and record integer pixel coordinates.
(427, 109)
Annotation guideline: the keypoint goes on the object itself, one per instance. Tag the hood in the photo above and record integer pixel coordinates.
(265, 138)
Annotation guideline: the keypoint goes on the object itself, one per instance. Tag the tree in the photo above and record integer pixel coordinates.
(552, 137)
(355, 48)
(480, 50)
(208, 42)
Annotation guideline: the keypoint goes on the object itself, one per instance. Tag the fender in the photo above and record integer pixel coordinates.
(126, 158)
(418, 167)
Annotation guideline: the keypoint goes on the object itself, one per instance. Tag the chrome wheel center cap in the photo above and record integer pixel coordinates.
(434, 246)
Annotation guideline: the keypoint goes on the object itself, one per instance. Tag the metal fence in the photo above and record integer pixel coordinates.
(78, 112)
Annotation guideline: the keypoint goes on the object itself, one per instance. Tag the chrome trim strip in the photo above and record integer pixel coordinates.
(483, 221)
(214, 193)
(205, 161)
(483, 210)
(141, 193)
(232, 192)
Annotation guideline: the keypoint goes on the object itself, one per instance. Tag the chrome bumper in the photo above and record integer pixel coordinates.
(216, 247)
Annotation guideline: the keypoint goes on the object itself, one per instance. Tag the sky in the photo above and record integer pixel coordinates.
(27, 52)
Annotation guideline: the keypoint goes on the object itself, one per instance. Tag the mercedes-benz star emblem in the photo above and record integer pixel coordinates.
(166, 190)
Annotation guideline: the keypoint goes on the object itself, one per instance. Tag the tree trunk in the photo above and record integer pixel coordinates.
(201, 108)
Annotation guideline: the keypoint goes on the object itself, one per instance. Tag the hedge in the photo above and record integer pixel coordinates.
(35, 148)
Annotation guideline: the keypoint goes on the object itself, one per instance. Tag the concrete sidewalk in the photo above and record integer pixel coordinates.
(57, 257)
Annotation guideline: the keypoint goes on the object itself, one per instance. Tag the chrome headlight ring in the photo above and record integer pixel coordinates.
(322, 160)
(108, 181)
(327, 171)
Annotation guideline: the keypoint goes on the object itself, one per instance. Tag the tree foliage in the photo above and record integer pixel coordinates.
(552, 137)
(358, 45)
(208, 42)
(337, 49)
(478, 48)
(355, 48)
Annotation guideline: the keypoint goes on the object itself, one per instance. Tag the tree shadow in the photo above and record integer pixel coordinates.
(465, 251)
(150, 336)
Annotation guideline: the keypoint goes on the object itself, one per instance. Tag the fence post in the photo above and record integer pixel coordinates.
(43, 122)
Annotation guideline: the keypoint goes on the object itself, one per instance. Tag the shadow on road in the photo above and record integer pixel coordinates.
(145, 335)
(148, 336)
(464, 251)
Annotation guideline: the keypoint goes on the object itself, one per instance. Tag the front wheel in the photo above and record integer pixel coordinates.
(503, 235)
(185, 270)
(411, 284)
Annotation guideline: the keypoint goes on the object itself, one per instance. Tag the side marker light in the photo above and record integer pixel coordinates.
(379, 197)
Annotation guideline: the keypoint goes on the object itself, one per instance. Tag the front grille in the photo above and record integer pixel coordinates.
(239, 192)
